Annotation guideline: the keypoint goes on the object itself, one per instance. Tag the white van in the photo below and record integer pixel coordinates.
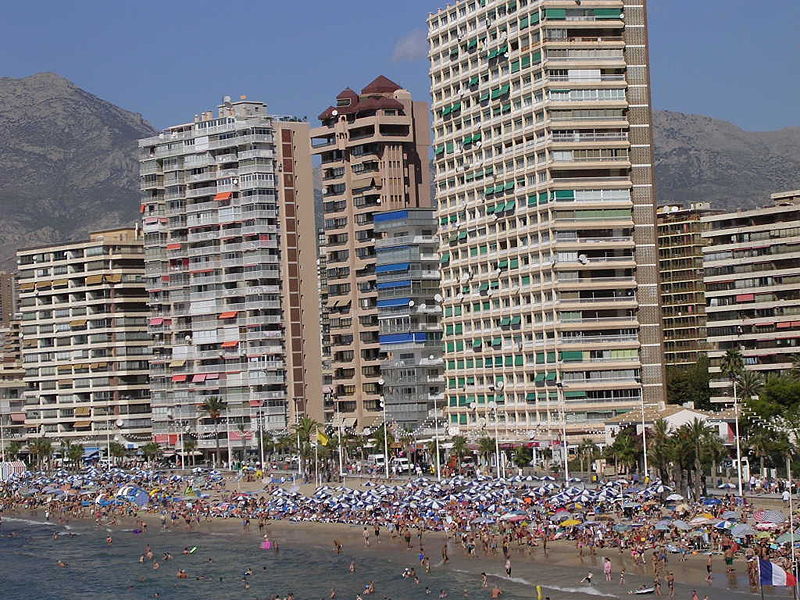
(376, 459)
(401, 464)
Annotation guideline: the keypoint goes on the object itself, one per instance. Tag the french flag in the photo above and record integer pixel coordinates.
(772, 574)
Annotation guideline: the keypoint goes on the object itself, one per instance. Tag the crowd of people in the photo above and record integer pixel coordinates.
(634, 529)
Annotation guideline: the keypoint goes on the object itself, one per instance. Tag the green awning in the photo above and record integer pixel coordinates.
(474, 80)
(519, 360)
(453, 237)
(572, 355)
(497, 341)
(490, 209)
(476, 136)
(524, 22)
(484, 286)
(483, 97)
(514, 66)
(575, 394)
(456, 107)
(439, 150)
(526, 61)
(550, 377)
(608, 13)
(454, 218)
(514, 264)
(488, 191)
(445, 258)
(509, 185)
(472, 44)
(477, 343)
(534, 17)
(539, 377)
(450, 147)
(503, 264)
(558, 14)
(536, 57)
(530, 397)
(446, 111)
(516, 320)
(462, 235)
(453, 52)
(532, 200)
(505, 321)
(565, 195)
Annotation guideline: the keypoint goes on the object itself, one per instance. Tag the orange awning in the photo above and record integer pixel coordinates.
(229, 315)
(179, 378)
(229, 344)
(173, 246)
(223, 196)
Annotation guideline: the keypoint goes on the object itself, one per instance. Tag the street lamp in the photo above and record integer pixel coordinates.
(385, 437)
(563, 409)
(738, 445)
(492, 405)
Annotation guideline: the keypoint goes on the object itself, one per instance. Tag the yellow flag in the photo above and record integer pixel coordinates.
(322, 438)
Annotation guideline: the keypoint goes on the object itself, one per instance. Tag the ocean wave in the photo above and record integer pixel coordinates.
(588, 590)
(30, 522)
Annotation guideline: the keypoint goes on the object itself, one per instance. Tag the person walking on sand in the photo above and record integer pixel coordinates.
(508, 567)
(607, 568)
(622, 577)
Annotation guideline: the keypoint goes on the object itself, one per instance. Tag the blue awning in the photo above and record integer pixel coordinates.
(393, 267)
(400, 338)
(91, 452)
(390, 216)
(394, 302)
(392, 248)
(394, 284)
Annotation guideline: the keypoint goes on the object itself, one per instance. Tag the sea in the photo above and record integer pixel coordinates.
(305, 566)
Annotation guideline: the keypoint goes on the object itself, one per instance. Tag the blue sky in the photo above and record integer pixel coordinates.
(731, 59)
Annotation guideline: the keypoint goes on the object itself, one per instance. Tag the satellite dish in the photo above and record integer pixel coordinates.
(119, 422)
(499, 385)
(335, 112)
(459, 296)
(422, 306)
(583, 259)
(438, 297)
(381, 381)
(411, 303)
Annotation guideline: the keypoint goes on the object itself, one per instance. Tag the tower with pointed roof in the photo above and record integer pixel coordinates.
(373, 149)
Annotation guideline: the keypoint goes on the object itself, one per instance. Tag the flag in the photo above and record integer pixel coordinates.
(772, 574)
(322, 438)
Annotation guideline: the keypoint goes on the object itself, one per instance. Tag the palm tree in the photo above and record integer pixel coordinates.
(732, 364)
(151, 450)
(623, 450)
(522, 456)
(660, 447)
(486, 447)
(41, 448)
(73, 453)
(13, 449)
(213, 407)
(587, 452)
(795, 370)
(377, 438)
(750, 385)
(189, 445)
(117, 450)
(304, 429)
(459, 449)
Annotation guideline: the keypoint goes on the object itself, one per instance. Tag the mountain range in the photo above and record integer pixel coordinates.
(69, 162)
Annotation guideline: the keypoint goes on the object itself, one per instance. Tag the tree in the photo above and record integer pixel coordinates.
(189, 446)
(73, 453)
(690, 383)
(151, 451)
(660, 448)
(13, 449)
(522, 456)
(213, 407)
(303, 430)
(779, 394)
(623, 451)
(750, 385)
(117, 450)
(241, 429)
(732, 364)
(377, 439)
(42, 449)
(486, 447)
(459, 449)
(587, 451)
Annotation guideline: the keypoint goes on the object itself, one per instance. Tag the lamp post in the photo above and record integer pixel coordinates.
(563, 411)
(644, 436)
(736, 435)
(493, 406)
(385, 438)
(436, 438)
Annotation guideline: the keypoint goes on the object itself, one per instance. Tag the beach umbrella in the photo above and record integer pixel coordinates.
(682, 525)
(769, 516)
(712, 501)
(663, 525)
(741, 529)
(570, 523)
(726, 486)
(674, 498)
(731, 515)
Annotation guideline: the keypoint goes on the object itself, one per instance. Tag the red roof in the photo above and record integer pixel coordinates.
(381, 85)
(347, 93)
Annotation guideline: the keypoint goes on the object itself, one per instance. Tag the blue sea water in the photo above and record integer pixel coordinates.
(98, 571)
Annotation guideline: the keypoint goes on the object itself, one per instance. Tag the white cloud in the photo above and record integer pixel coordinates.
(412, 46)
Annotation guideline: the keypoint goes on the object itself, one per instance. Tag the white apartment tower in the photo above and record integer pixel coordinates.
(228, 220)
(543, 175)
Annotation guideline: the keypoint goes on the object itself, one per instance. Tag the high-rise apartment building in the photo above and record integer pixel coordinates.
(8, 295)
(547, 215)
(751, 274)
(228, 219)
(85, 347)
(409, 314)
(683, 301)
(12, 386)
(374, 150)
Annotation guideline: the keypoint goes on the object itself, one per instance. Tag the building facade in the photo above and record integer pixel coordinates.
(12, 386)
(8, 298)
(751, 274)
(409, 314)
(373, 147)
(85, 347)
(228, 219)
(683, 301)
(544, 185)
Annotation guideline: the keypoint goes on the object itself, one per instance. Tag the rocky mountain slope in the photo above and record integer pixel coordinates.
(68, 162)
(700, 159)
